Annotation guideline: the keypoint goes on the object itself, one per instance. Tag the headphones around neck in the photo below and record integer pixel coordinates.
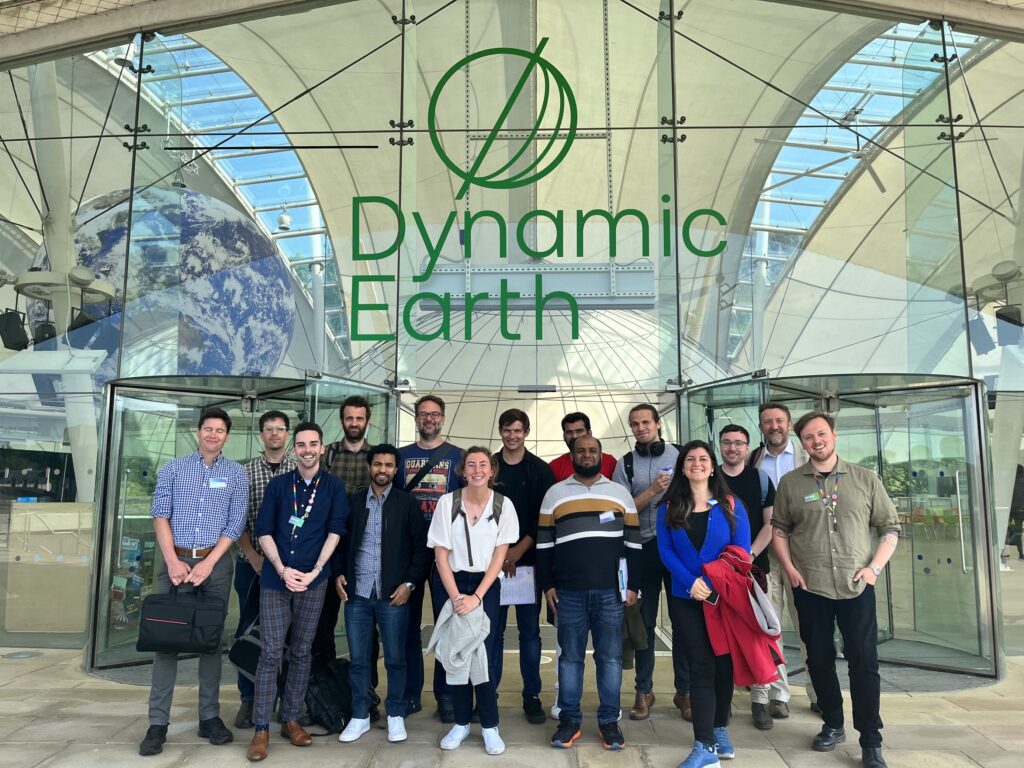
(654, 449)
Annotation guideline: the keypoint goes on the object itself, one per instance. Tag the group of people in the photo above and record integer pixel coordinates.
(373, 528)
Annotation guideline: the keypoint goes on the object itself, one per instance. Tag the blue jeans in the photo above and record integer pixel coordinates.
(528, 619)
(597, 612)
(393, 621)
(246, 579)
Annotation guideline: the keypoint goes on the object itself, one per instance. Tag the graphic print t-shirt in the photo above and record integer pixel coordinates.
(441, 478)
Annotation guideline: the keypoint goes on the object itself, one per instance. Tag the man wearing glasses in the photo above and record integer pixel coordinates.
(271, 462)
(427, 471)
(757, 492)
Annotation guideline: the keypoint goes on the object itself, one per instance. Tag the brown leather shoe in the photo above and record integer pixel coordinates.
(642, 706)
(682, 702)
(296, 734)
(258, 747)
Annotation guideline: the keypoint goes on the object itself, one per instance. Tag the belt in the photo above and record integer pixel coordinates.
(193, 553)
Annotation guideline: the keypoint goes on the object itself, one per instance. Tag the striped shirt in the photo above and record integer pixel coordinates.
(202, 503)
(260, 473)
(582, 533)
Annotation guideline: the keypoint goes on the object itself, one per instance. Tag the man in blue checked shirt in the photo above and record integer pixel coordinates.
(301, 521)
(198, 513)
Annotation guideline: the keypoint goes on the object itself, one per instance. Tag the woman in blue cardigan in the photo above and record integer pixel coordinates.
(698, 518)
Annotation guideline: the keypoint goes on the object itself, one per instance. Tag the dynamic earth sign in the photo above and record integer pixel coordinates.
(556, 144)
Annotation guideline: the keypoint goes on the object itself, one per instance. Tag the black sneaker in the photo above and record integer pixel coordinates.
(215, 730)
(534, 710)
(827, 740)
(445, 710)
(412, 706)
(567, 733)
(611, 735)
(153, 742)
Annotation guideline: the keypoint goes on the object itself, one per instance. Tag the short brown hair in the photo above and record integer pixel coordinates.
(355, 401)
(511, 416)
(773, 406)
(428, 399)
(493, 458)
(810, 416)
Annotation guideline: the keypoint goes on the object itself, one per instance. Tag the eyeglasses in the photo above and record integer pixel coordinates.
(734, 443)
(430, 415)
(275, 429)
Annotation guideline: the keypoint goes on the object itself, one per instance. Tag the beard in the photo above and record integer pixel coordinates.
(355, 433)
(586, 471)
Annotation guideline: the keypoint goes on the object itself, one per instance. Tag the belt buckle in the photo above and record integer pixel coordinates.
(195, 551)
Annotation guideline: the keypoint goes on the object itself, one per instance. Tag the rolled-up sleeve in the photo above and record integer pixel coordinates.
(781, 517)
(884, 517)
(238, 510)
(164, 494)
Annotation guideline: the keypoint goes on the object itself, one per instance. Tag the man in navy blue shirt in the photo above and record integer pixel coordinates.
(301, 521)
(198, 513)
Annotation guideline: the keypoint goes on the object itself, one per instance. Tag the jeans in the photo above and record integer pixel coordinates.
(528, 619)
(486, 693)
(597, 612)
(859, 628)
(361, 614)
(247, 587)
(165, 665)
(652, 576)
(710, 675)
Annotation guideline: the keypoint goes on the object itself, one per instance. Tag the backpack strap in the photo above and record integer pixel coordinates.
(763, 477)
(458, 510)
(627, 464)
(496, 505)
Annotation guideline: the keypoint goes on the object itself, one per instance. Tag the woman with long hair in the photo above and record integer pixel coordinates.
(697, 519)
(470, 535)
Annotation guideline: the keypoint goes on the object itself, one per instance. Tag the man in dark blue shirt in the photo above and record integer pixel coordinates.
(301, 521)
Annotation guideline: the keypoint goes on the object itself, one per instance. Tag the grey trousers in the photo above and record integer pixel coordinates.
(165, 665)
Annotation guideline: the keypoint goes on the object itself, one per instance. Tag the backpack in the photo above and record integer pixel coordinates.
(627, 463)
(457, 510)
(329, 694)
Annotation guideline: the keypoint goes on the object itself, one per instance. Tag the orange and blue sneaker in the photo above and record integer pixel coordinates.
(611, 735)
(567, 733)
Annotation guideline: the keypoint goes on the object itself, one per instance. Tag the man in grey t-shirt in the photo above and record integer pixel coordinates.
(646, 472)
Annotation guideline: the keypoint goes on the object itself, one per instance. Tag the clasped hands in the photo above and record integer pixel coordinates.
(297, 581)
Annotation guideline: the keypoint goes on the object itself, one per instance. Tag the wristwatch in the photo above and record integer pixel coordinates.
(409, 585)
(874, 570)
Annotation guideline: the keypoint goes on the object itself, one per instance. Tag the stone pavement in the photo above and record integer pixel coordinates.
(53, 714)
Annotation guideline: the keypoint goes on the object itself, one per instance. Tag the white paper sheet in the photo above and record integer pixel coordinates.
(519, 589)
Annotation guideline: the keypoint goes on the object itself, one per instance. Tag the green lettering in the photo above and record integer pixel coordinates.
(357, 203)
(471, 300)
(688, 240)
(468, 232)
(506, 294)
(613, 223)
(358, 306)
(433, 249)
(443, 330)
(556, 246)
(540, 300)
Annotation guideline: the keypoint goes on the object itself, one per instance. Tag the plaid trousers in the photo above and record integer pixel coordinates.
(279, 610)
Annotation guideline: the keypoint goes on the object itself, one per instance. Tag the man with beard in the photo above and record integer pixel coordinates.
(523, 478)
(301, 521)
(777, 456)
(379, 565)
(755, 489)
(427, 471)
(346, 460)
(825, 512)
(261, 470)
(587, 525)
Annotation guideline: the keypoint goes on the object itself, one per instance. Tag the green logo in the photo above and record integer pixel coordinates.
(555, 89)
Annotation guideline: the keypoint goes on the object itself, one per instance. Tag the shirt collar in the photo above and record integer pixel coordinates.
(601, 480)
(383, 495)
(197, 456)
(788, 449)
(839, 469)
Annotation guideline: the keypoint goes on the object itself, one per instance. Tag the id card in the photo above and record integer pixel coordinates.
(296, 521)
(218, 482)
(607, 517)
(811, 497)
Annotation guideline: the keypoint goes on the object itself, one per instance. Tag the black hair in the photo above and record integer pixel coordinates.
(679, 496)
(383, 448)
(308, 426)
(215, 413)
(734, 428)
(274, 415)
(569, 418)
(511, 416)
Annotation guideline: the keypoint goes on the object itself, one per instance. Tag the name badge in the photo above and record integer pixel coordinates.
(607, 517)
(218, 482)
(296, 521)
(816, 496)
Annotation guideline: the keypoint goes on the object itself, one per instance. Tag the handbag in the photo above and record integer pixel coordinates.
(182, 622)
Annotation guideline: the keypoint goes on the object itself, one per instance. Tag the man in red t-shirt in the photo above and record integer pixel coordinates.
(574, 425)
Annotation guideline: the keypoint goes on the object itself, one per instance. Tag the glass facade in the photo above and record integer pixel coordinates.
(529, 203)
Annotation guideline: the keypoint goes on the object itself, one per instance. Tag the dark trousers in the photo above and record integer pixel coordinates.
(652, 576)
(247, 588)
(414, 644)
(362, 618)
(281, 611)
(486, 693)
(323, 641)
(858, 625)
(528, 621)
(710, 675)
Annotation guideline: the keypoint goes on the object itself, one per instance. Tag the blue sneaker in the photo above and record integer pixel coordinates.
(723, 746)
(702, 756)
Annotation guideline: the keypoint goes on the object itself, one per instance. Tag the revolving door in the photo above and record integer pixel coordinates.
(147, 422)
(922, 436)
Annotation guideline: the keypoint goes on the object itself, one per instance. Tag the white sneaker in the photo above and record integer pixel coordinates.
(396, 729)
(455, 737)
(492, 741)
(356, 727)
(555, 709)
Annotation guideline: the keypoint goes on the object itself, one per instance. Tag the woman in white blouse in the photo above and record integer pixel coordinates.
(469, 548)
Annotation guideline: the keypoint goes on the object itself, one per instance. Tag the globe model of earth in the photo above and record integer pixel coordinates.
(207, 292)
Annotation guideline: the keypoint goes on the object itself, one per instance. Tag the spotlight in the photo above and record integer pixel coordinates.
(179, 181)
(284, 221)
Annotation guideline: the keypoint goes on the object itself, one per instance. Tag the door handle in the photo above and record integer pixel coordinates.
(960, 524)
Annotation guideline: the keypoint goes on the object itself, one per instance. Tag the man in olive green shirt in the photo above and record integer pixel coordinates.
(827, 513)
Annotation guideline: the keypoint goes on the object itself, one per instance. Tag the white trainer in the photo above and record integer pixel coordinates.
(356, 727)
(492, 741)
(455, 737)
(396, 729)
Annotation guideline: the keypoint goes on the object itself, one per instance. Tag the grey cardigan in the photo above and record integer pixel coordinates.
(458, 643)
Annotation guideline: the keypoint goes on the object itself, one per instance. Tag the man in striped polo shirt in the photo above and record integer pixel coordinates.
(588, 524)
